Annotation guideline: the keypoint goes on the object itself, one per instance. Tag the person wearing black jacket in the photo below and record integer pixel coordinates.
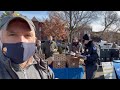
(90, 57)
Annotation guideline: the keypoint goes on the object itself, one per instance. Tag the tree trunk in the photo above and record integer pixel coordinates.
(70, 36)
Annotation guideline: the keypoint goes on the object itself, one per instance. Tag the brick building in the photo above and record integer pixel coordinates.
(38, 25)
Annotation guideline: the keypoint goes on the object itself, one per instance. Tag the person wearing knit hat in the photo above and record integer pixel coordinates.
(90, 57)
(86, 37)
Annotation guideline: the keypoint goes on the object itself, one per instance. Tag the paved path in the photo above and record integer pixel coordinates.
(99, 74)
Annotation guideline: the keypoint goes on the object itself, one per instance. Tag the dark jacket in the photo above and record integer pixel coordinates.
(48, 48)
(91, 52)
(7, 71)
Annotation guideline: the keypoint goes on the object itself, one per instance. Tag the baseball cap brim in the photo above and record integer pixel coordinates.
(6, 20)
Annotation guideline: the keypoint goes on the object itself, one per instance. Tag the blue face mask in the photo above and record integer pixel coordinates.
(18, 52)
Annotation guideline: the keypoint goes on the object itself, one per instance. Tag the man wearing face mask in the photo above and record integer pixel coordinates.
(18, 58)
(75, 47)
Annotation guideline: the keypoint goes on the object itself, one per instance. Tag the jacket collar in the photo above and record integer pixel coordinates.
(17, 67)
(89, 44)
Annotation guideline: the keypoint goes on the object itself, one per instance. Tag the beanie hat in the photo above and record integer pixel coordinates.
(86, 37)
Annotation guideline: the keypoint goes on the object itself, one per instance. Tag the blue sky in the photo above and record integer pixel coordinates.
(31, 14)
(37, 14)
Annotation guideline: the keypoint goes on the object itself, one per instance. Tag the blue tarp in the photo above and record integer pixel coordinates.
(116, 64)
(69, 73)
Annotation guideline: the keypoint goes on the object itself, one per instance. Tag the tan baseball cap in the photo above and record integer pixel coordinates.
(5, 21)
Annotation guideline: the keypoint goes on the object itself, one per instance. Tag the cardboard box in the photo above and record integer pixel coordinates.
(72, 62)
(59, 61)
(59, 64)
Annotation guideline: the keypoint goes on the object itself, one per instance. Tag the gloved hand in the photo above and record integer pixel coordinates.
(72, 53)
(55, 50)
(81, 56)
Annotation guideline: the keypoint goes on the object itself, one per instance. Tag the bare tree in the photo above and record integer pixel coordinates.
(110, 20)
(75, 19)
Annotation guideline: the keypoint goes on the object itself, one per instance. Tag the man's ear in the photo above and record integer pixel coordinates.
(0, 44)
(35, 39)
(0, 39)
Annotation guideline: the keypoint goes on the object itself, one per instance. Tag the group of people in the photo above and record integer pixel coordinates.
(20, 49)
